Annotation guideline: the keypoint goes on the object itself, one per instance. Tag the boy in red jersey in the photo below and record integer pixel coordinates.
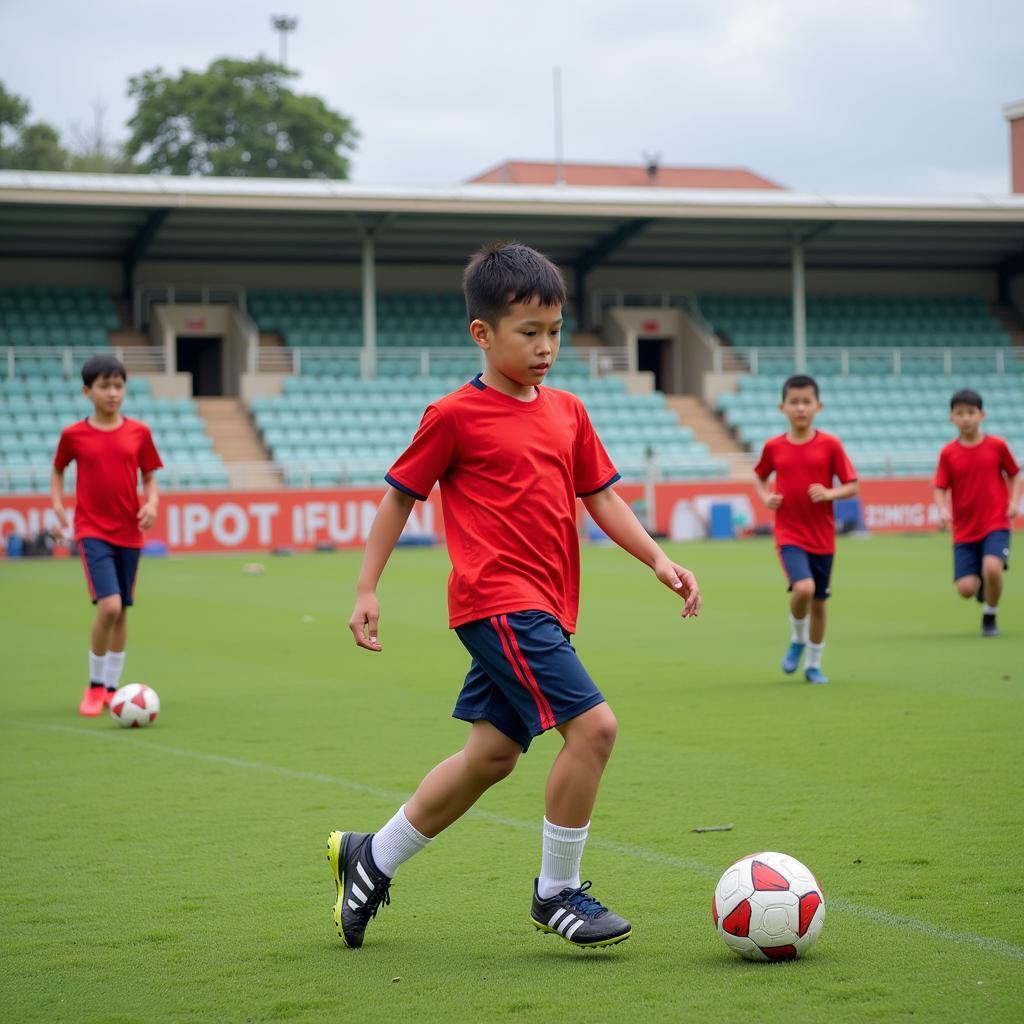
(512, 457)
(110, 450)
(806, 463)
(974, 471)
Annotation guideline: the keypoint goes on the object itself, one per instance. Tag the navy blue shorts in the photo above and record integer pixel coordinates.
(967, 558)
(525, 678)
(109, 569)
(802, 565)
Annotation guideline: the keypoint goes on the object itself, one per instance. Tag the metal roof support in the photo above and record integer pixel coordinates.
(598, 252)
(369, 305)
(137, 247)
(799, 310)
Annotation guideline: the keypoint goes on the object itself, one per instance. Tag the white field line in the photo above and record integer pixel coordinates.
(898, 922)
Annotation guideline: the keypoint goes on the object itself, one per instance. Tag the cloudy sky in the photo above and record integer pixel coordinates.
(899, 97)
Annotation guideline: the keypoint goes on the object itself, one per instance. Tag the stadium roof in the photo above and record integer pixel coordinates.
(536, 172)
(134, 217)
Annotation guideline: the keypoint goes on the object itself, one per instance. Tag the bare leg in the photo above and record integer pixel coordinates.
(967, 586)
(800, 598)
(818, 619)
(576, 773)
(453, 786)
(108, 612)
(119, 633)
(992, 569)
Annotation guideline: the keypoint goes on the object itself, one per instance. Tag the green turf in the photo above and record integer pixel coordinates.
(178, 873)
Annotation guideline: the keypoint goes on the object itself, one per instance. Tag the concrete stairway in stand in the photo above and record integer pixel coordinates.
(708, 428)
(235, 440)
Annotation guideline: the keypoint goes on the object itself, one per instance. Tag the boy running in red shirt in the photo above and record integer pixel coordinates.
(512, 456)
(974, 470)
(110, 450)
(806, 463)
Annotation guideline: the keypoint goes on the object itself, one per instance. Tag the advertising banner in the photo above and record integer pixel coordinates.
(209, 521)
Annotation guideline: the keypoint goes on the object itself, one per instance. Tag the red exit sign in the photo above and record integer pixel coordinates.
(195, 325)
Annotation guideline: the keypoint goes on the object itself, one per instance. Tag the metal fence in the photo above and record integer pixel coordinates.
(881, 360)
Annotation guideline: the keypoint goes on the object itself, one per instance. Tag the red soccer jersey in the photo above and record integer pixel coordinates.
(977, 474)
(107, 489)
(510, 473)
(798, 520)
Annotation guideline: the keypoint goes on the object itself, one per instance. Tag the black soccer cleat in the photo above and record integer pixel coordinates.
(578, 918)
(988, 625)
(362, 888)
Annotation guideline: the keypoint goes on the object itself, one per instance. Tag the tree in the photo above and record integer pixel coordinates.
(92, 150)
(27, 147)
(236, 118)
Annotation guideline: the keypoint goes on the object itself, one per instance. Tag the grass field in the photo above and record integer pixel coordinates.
(178, 873)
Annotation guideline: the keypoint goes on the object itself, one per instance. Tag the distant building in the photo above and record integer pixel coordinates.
(539, 172)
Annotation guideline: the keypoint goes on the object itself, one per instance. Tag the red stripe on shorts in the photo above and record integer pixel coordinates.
(523, 672)
(85, 566)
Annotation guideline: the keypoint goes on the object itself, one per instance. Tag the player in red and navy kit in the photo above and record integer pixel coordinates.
(110, 450)
(978, 472)
(511, 457)
(806, 463)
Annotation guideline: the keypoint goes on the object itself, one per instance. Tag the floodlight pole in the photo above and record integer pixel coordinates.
(283, 24)
(799, 310)
(559, 156)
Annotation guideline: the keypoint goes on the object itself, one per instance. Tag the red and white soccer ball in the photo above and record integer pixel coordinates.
(768, 906)
(134, 705)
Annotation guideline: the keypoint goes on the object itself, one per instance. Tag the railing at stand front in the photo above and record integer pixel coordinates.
(66, 360)
(420, 362)
(878, 361)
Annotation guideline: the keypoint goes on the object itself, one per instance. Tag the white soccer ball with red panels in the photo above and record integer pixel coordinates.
(768, 906)
(134, 705)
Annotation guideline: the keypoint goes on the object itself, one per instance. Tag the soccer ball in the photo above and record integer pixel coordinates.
(768, 906)
(134, 705)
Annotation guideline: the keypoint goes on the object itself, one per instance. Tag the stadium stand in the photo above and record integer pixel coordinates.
(889, 425)
(327, 319)
(871, 328)
(34, 410)
(333, 430)
(54, 317)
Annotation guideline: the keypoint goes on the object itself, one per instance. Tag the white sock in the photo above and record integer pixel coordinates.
(561, 853)
(97, 667)
(395, 843)
(813, 658)
(800, 627)
(989, 610)
(115, 666)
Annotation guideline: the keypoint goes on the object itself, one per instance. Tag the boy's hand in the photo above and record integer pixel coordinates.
(772, 501)
(819, 493)
(945, 518)
(683, 582)
(147, 515)
(62, 517)
(364, 620)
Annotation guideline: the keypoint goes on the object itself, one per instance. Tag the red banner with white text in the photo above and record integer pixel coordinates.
(227, 521)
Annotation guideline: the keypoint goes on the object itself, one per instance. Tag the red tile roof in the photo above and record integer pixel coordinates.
(531, 172)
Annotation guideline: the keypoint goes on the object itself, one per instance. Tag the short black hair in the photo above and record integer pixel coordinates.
(800, 380)
(503, 273)
(102, 366)
(965, 396)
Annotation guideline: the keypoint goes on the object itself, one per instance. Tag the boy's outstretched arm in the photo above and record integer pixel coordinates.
(941, 495)
(57, 497)
(388, 524)
(617, 520)
(150, 501)
(1016, 489)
